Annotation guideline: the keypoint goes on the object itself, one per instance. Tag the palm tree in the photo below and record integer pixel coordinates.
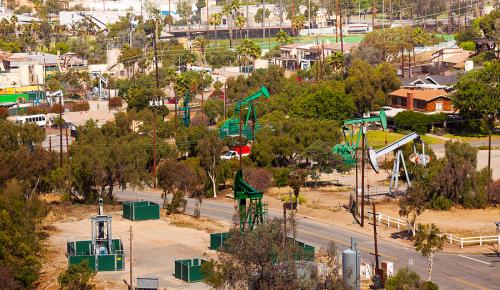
(418, 38)
(248, 51)
(336, 61)
(298, 22)
(230, 9)
(282, 37)
(215, 19)
(239, 22)
(201, 42)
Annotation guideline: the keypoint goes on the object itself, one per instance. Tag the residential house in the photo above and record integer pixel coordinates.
(25, 69)
(302, 56)
(431, 82)
(422, 100)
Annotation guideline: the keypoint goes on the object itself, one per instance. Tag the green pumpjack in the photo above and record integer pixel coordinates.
(347, 150)
(231, 128)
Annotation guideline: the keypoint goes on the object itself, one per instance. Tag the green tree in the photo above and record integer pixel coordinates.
(428, 240)
(326, 104)
(210, 150)
(213, 108)
(176, 179)
(477, 96)
(185, 11)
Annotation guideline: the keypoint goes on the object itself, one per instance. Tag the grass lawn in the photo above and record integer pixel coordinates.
(472, 137)
(297, 39)
(376, 139)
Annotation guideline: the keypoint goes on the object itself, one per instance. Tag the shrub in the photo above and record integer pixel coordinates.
(280, 176)
(36, 110)
(56, 108)
(442, 203)
(115, 103)
(4, 113)
(286, 198)
(468, 45)
(418, 122)
(76, 277)
(258, 178)
(220, 57)
(80, 106)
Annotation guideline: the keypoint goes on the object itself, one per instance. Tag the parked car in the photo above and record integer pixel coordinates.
(235, 153)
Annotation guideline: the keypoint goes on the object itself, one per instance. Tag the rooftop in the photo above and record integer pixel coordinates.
(425, 95)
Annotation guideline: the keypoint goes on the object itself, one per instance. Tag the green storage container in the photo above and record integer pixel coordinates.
(217, 240)
(141, 210)
(13, 98)
(189, 270)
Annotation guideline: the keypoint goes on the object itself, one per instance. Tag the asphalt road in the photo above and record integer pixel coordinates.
(450, 271)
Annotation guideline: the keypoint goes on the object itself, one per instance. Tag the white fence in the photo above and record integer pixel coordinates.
(452, 239)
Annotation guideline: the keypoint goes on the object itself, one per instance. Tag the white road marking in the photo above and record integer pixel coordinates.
(474, 259)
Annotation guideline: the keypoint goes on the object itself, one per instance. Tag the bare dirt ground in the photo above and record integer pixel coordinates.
(329, 204)
(157, 244)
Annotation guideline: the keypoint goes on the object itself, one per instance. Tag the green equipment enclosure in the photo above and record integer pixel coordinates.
(305, 253)
(79, 251)
(141, 210)
(217, 240)
(189, 270)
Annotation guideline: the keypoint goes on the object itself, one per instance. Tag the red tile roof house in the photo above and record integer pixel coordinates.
(427, 101)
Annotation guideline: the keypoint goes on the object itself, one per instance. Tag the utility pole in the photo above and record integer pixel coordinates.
(489, 159)
(357, 187)
(309, 12)
(449, 17)
(337, 5)
(131, 260)
(281, 14)
(402, 62)
(341, 33)
(225, 91)
(373, 14)
(60, 131)
(263, 22)
(375, 236)
(50, 143)
(240, 141)
(362, 176)
(67, 142)
(154, 108)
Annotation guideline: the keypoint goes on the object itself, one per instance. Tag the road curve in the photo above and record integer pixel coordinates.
(450, 271)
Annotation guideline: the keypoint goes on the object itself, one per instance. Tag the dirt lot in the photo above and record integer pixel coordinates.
(157, 243)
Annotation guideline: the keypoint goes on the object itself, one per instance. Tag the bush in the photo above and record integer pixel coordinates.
(280, 176)
(417, 122)
(468, 45)
(442, 203)
(4, 113)
(56, 108)
(23, 9)
(220, 57)
(286, 198)
(76, 277)
(36, 110)
(406, 279)
(80, 106)
(115, 103)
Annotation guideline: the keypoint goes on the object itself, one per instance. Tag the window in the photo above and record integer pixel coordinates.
(439, 106)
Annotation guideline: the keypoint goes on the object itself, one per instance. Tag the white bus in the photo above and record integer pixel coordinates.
(40, 120)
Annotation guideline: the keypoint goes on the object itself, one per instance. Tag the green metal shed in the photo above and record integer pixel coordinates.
(141, 210)
(217, 240)
(189, 270)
